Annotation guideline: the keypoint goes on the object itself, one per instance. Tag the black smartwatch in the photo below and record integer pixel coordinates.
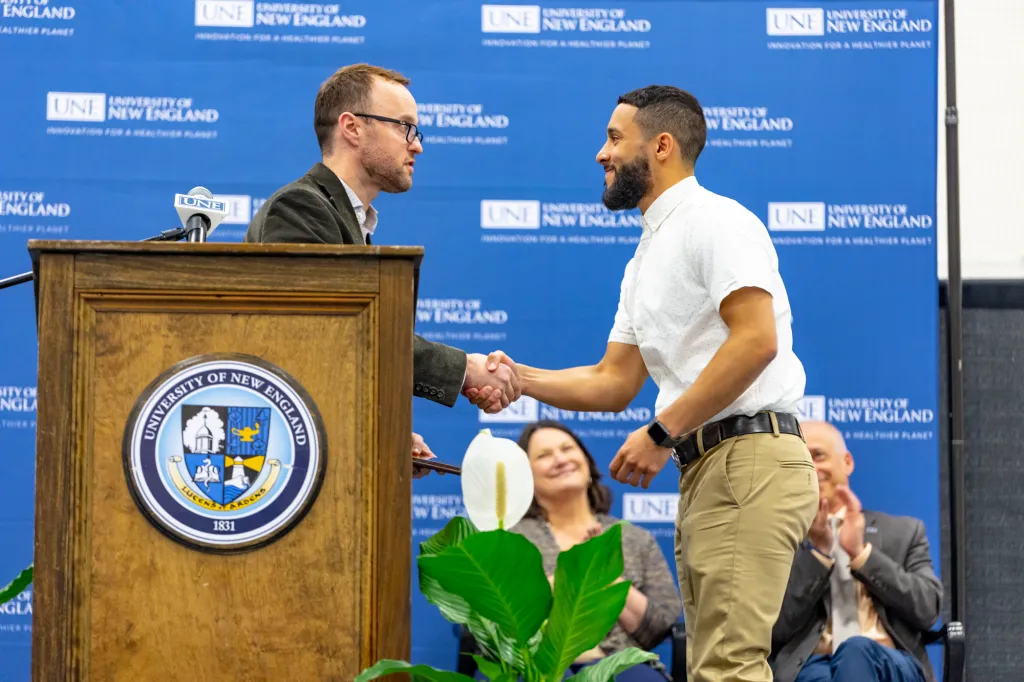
(661, 435)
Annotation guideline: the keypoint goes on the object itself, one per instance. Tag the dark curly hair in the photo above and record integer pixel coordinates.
(598, 495)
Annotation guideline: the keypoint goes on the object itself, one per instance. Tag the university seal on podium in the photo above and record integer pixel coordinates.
(224, 452)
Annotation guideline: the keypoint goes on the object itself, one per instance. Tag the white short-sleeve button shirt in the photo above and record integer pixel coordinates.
(696, 248)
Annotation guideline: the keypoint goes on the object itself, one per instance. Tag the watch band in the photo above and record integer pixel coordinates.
(660, 434)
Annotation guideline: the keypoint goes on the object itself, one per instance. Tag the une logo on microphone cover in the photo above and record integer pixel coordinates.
(201, 203)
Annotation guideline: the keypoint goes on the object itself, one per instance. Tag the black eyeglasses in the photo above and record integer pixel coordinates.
(411, 130)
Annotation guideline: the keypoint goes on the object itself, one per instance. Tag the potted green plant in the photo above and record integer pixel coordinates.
(492, 581)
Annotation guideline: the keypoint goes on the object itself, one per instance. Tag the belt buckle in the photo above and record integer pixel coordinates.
(678, 457)
(679, 462)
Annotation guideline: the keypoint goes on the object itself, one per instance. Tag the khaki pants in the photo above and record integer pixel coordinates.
(743, 509)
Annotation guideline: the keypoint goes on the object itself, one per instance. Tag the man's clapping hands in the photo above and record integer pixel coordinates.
(492, 382)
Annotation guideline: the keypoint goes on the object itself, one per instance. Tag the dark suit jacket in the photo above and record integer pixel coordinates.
(899, 578)
(315, 209)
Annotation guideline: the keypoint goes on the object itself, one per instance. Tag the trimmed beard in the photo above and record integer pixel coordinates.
(631, 182)
(385, 173)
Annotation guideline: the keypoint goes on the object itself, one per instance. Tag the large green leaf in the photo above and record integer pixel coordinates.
(419, 673)
(16, 586)
(453, 607)
(608, 668)
(454, 532)
(492, 642)
(586, 604)
(500, 575)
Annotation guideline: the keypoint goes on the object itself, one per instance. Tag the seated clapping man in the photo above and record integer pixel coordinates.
(862, 589)
(570, 506)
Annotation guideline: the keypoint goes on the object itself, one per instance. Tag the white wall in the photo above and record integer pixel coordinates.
(990, 98)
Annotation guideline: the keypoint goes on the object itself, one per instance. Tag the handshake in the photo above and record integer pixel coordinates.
(492, 381)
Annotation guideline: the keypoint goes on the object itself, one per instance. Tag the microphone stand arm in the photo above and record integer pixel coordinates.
(17, 279)
(172, 235)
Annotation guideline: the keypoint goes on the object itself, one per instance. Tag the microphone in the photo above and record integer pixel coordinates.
(200, 213)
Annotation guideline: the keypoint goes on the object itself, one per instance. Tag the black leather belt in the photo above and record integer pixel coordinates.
(714, 433)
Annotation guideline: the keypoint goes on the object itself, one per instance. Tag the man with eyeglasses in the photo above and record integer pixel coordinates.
(365, 122)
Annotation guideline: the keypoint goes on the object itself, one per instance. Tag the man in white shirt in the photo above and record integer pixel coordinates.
(704, 312)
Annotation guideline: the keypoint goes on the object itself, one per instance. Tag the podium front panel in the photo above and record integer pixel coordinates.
(291, 402)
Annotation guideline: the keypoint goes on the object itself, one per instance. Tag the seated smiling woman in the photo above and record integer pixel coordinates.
(570, 505)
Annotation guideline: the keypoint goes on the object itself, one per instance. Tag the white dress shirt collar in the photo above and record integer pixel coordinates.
(367, 217)
(663, 206)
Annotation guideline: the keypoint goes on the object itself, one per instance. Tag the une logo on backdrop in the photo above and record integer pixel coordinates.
(87, 107)
(796, 216)
(811, 408)
(510, 18)
(650, 507)
(796, 21)
(226, 13)
(526, 409)
(510, 214)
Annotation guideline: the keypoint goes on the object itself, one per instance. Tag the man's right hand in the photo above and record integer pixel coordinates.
(492, 382)
(820, 534)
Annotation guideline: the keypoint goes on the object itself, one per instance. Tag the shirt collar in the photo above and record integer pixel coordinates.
(367, 217)
(672, 197)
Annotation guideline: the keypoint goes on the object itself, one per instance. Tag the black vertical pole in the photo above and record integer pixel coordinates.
(954, 329)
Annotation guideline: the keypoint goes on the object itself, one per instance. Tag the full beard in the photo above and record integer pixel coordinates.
(631, 182)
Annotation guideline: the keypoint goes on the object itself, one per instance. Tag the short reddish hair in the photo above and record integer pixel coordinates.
(348, 89)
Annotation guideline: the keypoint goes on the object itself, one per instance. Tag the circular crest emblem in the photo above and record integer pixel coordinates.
(225, 452)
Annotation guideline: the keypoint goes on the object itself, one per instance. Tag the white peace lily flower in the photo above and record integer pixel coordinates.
(497, 482)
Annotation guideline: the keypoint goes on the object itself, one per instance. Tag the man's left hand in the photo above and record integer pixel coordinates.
(639, 459)
(420, 450)
(851, 532)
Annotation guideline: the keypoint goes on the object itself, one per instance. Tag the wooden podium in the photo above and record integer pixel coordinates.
(223, 471)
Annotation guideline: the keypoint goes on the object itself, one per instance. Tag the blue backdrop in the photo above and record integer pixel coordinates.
(822, 120)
